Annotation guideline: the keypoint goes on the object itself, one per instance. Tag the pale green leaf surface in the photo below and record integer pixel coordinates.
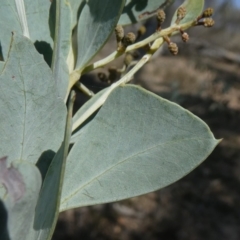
(1, 66)
(137, 143)
(194, 9)
(134, 8)
(95, 24)
(75, 7)
(47, 209)
(21, 212)
(62, 42)
(60, 22)
(32, 116)
(61, 76)
(37, 15)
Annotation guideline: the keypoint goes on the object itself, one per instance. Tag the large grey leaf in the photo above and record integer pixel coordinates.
(95, 24)
(30, 219)
(32, 116)
(47, 209)
(137, 143)
(37, 16)
(134, 10)
(20, 211)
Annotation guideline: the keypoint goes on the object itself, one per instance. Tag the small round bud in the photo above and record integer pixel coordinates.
(102, 77)
(185, 37)
(207, 13)
(119, 32)
(173, 48)
(135, 54)
(128, 59)
(141, 31)
(161, 16)
(208, 22)
(181, 13)
(129, 39)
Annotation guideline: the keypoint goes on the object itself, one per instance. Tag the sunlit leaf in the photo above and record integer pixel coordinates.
(76, 6)
(47, 209)
(32, 116)
(1, 66)
(60, 18)
(137, 143)
(95, 24)
(37, 17)
(22, 209)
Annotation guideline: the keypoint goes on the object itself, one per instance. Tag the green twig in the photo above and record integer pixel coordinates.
(84, 89)
(172, 30)
(165, 32)
(122, 81)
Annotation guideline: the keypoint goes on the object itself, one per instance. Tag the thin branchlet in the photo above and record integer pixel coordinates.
(126, 42)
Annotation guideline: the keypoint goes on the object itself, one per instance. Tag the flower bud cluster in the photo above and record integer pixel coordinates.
(123, 41)
(128, 39)
(119, 32)
(181, 13)
(172, 47)
(205, 18)
(185, 37)
(113, 75)
(161, 16)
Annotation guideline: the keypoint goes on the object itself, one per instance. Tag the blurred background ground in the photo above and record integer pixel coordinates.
(204, 78)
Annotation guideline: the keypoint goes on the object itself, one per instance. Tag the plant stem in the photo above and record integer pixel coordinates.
(84, 89)
(174, 29)
(122, 81)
